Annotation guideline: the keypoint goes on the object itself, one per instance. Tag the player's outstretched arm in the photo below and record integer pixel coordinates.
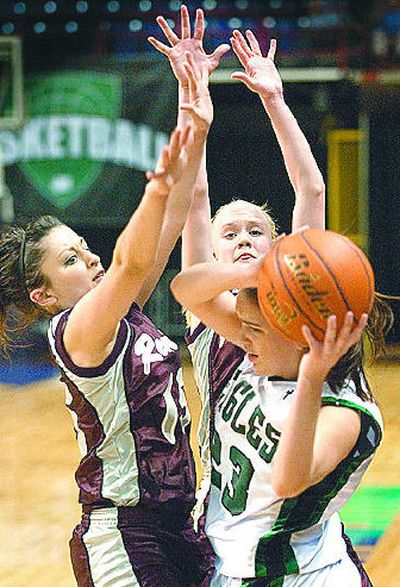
(205, 290)
(196, 237)
(93, 323)
(199, 109)
(261, 76)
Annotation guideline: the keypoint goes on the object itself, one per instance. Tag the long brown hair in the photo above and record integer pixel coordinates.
(351, 365)
(21, 258)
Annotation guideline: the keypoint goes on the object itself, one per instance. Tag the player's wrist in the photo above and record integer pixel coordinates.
(157, 186)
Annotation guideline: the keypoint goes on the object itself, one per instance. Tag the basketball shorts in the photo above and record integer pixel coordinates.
(109, 548)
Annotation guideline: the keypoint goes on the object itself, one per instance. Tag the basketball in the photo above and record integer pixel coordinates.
(309, 275)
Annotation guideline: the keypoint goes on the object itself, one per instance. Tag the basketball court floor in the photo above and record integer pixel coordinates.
(38, 496)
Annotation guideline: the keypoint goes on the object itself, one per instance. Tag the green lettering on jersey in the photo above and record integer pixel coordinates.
(240, 429)
(228, 409)
(255, 423)
(267, 451)
(234, 496)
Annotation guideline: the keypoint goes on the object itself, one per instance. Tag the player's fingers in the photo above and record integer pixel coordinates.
(358, 330)
(159, 46)
(168, 32)
(174, 144)
(242, 42)
(240, 54)
(185, 135)
(193, 65)
(309, 338)
(219, 52)
(199, 25)
(330, 331)
(255, 47)
(243, 77)
(185, 22)
(192, 82)
(272, 50)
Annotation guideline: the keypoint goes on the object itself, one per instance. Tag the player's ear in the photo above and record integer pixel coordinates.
(42, 298)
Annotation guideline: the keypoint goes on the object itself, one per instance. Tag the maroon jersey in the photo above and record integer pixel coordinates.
(131, 419)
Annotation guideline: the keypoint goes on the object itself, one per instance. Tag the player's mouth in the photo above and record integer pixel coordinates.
(245, 258)
(99, 276)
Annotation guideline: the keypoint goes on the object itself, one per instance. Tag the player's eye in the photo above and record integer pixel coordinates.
(71, 260)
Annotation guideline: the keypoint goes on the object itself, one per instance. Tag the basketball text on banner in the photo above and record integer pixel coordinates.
(91, 132)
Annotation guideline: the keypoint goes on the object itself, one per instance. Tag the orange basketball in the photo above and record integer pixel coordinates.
(309, 275)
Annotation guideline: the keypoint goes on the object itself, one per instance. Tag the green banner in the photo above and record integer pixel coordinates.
(90, 134)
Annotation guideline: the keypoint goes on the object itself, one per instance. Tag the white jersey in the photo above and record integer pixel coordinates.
(214, 362)
(253, 532)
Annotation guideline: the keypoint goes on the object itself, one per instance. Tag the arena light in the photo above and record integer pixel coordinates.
(269, 22)
(135, 25)
(50, 7)
(7, 28)
(304, 22)
(113, 6)
(241, 4)
(234, 23)
(175, 5)
(39, 27)
(209, 4)
(82, 6)
(145, 5)
(19, 8)
(71, 27)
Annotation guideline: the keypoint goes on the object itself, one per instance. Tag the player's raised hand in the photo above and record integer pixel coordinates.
(179, 46)
(323, 355)
(260, 75)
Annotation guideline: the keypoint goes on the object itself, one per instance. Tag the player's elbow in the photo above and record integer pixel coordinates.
(314, 191)
(178, 289)
(285, 488)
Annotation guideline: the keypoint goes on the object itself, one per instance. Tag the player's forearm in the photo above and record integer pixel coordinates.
(183, 117)
(197, 232)
(203, 282)
(137, 245)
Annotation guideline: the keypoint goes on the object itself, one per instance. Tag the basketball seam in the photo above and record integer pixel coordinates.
(357, 252)
(331, 272)
(328, 269)
(290, 293)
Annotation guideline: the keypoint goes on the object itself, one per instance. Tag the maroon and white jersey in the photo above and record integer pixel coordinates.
(131, 418)
(214, 360)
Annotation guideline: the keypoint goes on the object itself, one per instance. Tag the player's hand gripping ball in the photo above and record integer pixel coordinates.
(309, 275)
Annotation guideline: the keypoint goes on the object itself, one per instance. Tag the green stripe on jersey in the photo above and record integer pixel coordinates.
(274, 556)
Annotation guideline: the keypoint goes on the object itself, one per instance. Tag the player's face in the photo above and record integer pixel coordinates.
(270, 353)
(240, 234)
(71, 268)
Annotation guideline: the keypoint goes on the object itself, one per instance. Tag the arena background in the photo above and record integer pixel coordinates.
(70, 61)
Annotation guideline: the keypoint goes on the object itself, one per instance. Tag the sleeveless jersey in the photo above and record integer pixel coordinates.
(214, 361)
(131, 418)
(254, 533)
